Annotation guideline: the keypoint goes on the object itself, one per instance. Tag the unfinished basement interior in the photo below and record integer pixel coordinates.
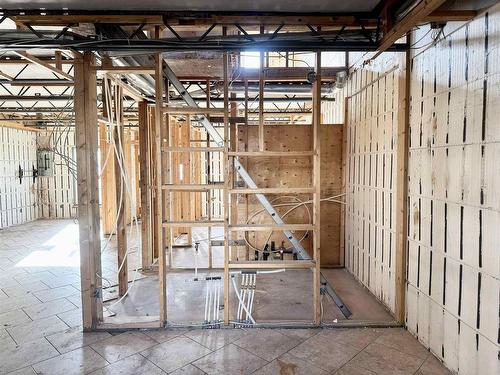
(238, 187)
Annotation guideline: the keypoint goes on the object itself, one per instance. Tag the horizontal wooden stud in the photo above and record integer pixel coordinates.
(263, 265)
(282, 190)
(200, 223)
(192, 110)
(272, 153)
(192, 187)
(268, 227)
(193, 149)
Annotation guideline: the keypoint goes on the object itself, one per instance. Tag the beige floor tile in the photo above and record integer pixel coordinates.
(230, 360)
(162, 335)
(6, 341)
(288, 364)
(13, 318)
(20, 290)
(121, 346)
(188, 370)
(350, 369)
(324, 353)
(24, 371)
(266, 343)
(55, 293)
(25, 355)
(357, 338)
(15, 303)
(72, 318)
(215, 338)
(175, 353)
(74, 338)
(50, 308)
(79, 361)
(133, 365)
(432, 366)
(37, 329)
(386, 361)
(402, 340)
(75, 299)
(300, 334)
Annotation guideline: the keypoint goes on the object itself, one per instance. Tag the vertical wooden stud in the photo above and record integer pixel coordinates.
(120, 195)
(85, 102)
(317, 189)
(158, 187)
(145, 187)
(227, 167)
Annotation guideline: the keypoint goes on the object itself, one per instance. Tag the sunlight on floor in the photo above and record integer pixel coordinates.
(61, 250)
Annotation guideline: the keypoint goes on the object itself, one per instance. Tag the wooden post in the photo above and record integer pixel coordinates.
(145, 185)
(261, 101)
(402, 189)
(121, 196)
(317, 190)
(227, 166)
(345, 134)
(158, 193)
(85, 103)
(209, 192)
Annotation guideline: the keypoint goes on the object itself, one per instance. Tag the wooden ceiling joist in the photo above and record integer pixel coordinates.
(63, 20)
(414, 16)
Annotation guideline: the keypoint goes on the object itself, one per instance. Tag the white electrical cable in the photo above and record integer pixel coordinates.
(120, 157)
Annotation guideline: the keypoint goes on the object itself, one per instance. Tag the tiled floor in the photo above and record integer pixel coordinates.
(40, 318)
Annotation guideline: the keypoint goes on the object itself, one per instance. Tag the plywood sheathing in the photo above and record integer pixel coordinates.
(292, 172)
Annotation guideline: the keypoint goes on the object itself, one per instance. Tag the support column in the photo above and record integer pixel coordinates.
(85, 104)
(317, 189)
(145, 186)
(120, 194)
(158, 185)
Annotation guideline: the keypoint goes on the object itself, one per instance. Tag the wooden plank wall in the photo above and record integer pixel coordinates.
(370, 175)
(287, 172)
(18, 203)
(57, 196)
(454, 201)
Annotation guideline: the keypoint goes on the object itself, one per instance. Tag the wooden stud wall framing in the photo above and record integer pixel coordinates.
(453, 238)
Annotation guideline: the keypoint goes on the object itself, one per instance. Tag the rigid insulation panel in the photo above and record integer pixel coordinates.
(57, 196)
(453, 194)
(370, 175)
(18, 202)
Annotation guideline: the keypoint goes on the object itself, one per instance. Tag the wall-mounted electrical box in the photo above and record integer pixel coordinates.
(45, 162)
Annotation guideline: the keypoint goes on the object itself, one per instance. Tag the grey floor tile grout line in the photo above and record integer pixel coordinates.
(154, 364)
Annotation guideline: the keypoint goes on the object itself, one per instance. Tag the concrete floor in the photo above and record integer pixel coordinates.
(40, 326)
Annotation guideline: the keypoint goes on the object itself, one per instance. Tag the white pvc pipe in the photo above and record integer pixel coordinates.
(241, 302)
